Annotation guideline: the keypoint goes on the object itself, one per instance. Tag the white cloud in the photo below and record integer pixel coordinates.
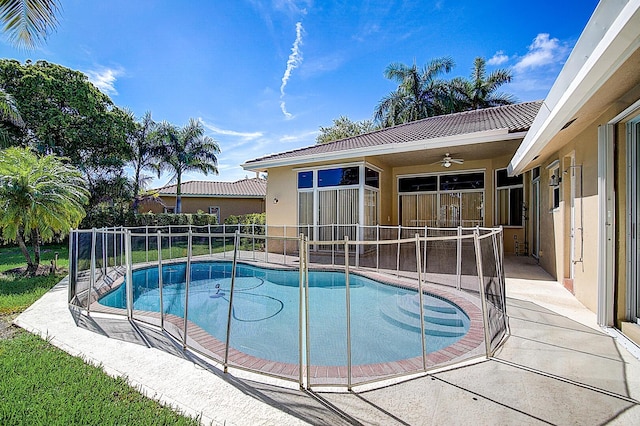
(498, 58)
(225, 132)
(305, 136)
(543, 51)
(294, 61)
(104, 79)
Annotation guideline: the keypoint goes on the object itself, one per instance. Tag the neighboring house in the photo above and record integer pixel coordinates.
(583, 150)
(223, 199)
(444, 171)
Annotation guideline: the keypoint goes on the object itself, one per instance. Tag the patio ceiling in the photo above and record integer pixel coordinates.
(472, 152)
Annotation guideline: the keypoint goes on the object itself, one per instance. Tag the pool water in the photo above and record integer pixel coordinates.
(385, 320)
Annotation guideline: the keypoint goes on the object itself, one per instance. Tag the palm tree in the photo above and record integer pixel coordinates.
(420, 93)
(39, 197)
(479, 91)
(8, 114)
(184, 150)
(145, 145)
(28, 22)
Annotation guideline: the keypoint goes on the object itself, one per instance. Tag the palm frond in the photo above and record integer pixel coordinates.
(29, 22)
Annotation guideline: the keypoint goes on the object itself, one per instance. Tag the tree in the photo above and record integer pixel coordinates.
(186, 149)
(39, 197)
(420, 94)
(28, 22)
(479, 91)
(9, 114)
(342, 128)
(66, 115)
(145, 146)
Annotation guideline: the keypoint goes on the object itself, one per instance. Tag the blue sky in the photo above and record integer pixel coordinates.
(263, 76)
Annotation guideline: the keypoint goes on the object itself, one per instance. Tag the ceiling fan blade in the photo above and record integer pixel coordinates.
(456, 160)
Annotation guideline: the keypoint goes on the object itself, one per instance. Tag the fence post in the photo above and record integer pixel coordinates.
(483, 296)
(459, 259)
(306, 307)
(301, 266)
(186, 293)
(266, 243)
(348, 301)
(92, 276)
(146, 242)
(233, 281)
(420, 298)
(129, 274)
(104, 251)
(359, 246)
(224, 241)
(398, 253)
(209, 230)
(72, 268)
(378, 247)
(160, 280)
(426, 234)
(170, 252)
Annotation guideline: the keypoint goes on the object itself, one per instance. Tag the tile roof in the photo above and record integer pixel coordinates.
(513, 118)
(243, 188)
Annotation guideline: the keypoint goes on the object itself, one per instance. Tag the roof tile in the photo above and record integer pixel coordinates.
(243, 188)
(514, 118)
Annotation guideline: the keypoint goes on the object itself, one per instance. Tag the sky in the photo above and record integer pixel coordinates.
(263, 76)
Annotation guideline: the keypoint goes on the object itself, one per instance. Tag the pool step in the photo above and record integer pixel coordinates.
(393, 313)
(433, 312)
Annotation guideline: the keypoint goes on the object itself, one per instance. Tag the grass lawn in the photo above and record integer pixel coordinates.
(41, 384)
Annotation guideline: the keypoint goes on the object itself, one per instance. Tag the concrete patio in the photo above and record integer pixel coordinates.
(557, 367)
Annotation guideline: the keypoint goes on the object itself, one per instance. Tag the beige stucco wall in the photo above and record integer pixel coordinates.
(555, 229)
(228, 206)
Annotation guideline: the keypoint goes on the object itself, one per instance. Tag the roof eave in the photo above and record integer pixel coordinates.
(390, 148)
(574, 87)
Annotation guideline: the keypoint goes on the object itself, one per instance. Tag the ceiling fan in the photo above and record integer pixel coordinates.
(447, 161)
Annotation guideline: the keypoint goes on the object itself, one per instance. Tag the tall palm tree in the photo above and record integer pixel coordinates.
(28, 22)
(39, 197)
(420, 93)
(186, 149)
(479, 91)
(145, 143)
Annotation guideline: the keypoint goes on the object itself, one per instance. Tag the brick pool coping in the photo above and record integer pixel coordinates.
(202, 342)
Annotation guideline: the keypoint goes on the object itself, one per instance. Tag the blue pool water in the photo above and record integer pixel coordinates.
(385, 320)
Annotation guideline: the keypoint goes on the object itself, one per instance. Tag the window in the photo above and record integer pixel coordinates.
(215, 211)
(339, 176)
(331, 201)
(509, 199)
(371, 178)
(554, 184)
(169, 209)
(446, 200)
(305, 180)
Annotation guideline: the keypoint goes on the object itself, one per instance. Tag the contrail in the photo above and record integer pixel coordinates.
(295, 59)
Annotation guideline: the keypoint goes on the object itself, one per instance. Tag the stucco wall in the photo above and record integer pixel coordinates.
(555, 229)
(228, 206)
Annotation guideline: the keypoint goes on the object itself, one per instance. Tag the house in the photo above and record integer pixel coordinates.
(223, 199)
(582, 152)
(444, 171)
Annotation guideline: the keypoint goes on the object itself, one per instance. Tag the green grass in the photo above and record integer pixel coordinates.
(12, 257)
(18, 293)
(43, 385)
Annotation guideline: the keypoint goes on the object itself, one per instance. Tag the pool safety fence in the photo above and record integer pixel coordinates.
(439, 292)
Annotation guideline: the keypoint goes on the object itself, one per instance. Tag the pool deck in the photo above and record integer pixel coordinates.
(557, 367)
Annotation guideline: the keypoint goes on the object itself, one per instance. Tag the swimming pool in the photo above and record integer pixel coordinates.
(385, 319)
